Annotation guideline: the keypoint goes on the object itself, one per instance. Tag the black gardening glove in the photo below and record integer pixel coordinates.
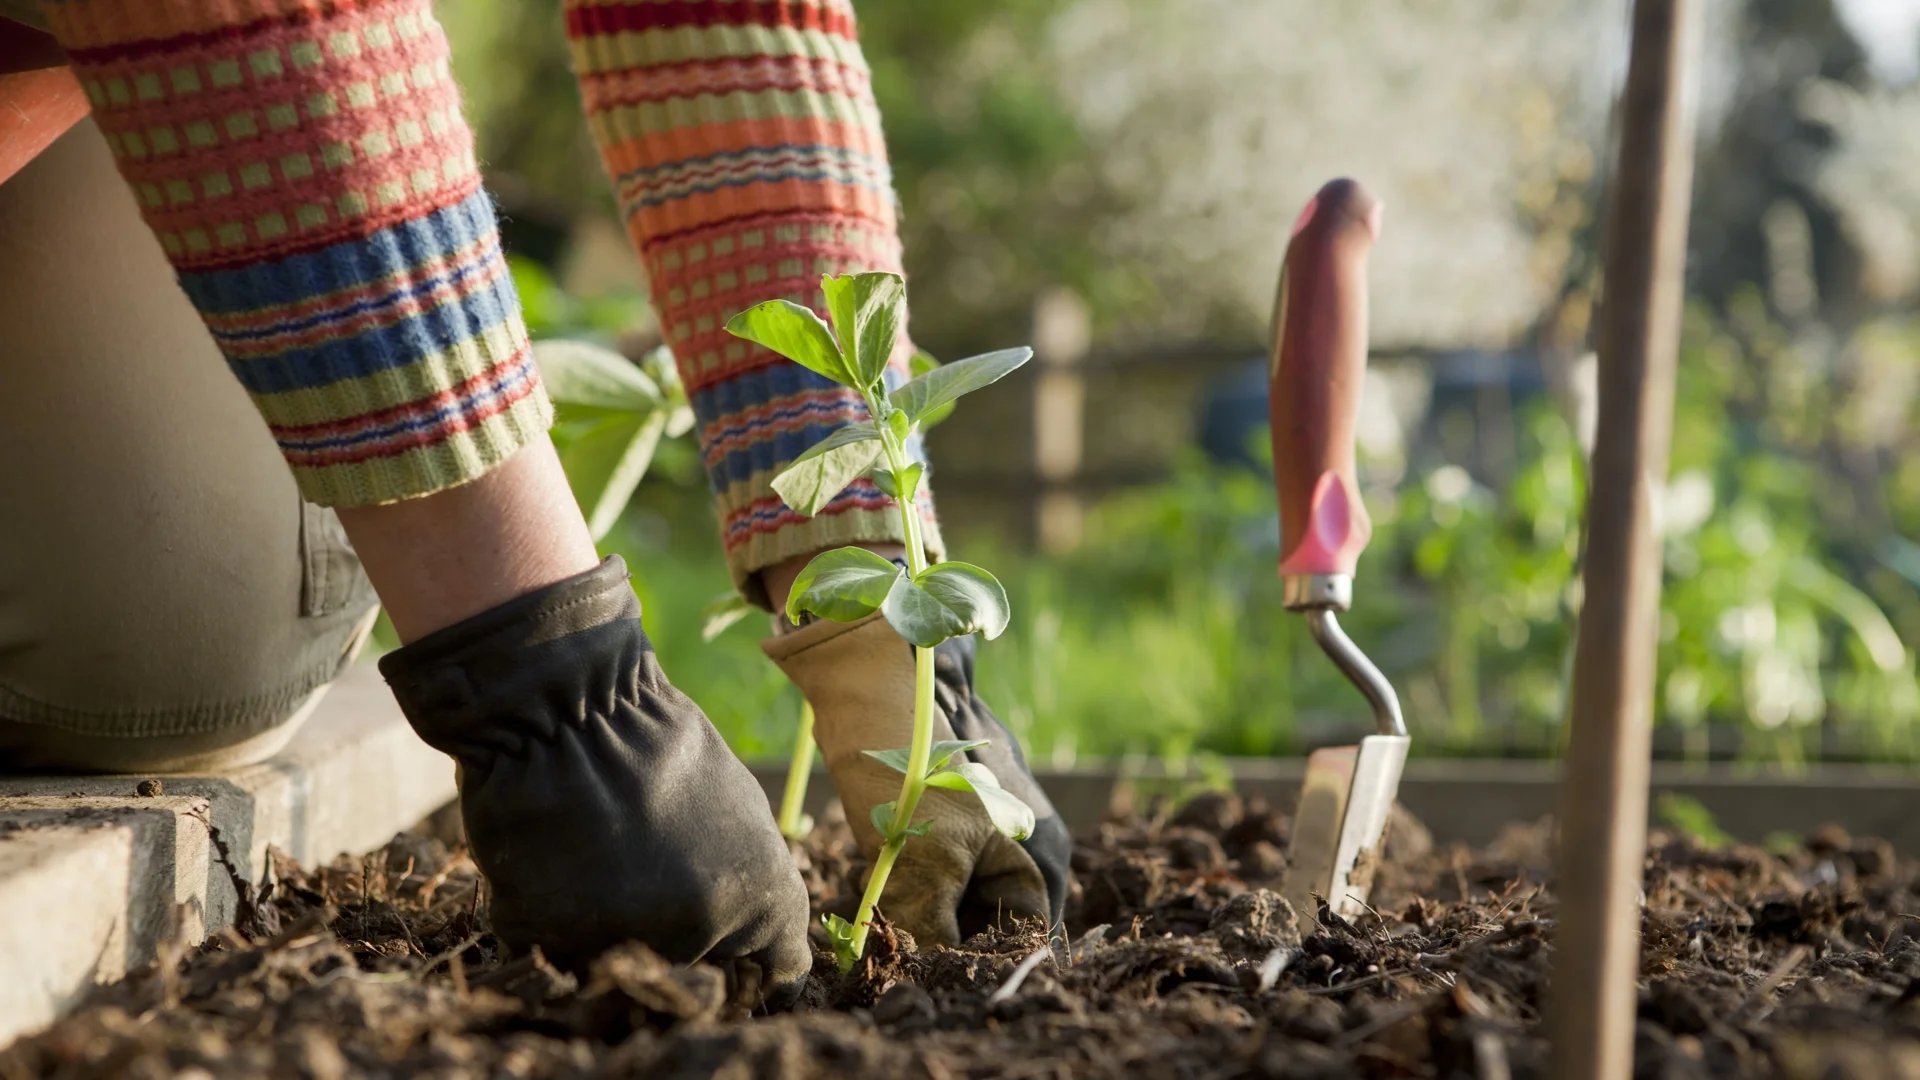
(600, 803)
(1050, 846)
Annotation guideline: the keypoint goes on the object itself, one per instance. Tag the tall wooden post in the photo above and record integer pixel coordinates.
(1061, 335)
(1603, 797)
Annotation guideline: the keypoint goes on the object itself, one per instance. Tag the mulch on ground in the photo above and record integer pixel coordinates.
(1797, 963)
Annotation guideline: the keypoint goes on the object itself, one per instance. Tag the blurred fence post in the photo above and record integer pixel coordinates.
(1061, 335)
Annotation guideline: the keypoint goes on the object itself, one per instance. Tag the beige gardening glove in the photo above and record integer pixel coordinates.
(965, 875)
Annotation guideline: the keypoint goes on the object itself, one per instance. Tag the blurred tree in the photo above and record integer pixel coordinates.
(999, 189)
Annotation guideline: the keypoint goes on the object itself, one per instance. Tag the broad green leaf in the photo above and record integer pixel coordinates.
(857, 432)
(796, 333)
(944, 749)
(843, 585)
(893, 759)
(938, 755)
(605, 464)
(840, 932)
(810, 483)
(1012, 817)
(921, 828)
(921, 363)
(589, 376)
(723, 611)
(917, 615)
(974, 594)
(947, 382)
(866, 318)
(900, 424)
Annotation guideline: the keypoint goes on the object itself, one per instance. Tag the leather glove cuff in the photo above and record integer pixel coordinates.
(466, 688)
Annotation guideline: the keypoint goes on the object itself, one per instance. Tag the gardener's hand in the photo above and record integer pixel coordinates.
(600, 803)
(964, 876)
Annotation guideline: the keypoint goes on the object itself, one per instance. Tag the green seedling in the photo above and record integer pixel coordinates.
(725, 610)
(611, 416)
(924, 604)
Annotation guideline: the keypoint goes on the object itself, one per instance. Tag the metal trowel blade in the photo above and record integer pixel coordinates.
(1341, 821)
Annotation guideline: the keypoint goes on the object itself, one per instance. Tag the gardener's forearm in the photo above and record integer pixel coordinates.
(307, 170)
(517, 529)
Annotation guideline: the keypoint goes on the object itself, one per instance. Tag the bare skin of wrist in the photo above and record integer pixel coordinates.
(441, 558)
(779, 577)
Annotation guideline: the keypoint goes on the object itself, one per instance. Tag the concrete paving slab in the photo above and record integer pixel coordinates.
(93, 877)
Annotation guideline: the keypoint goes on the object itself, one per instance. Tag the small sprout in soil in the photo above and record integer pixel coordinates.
(924, 604)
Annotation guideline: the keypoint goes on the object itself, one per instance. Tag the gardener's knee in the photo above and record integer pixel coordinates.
(164, 593)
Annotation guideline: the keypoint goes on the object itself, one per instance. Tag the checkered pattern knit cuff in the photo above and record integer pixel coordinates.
(745, 148)
(307, 170)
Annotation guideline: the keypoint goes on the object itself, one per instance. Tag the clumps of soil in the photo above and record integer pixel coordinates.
(1185, 963)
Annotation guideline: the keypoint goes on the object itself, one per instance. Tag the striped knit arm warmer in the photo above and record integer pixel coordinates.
(745, 148)
(306, 168)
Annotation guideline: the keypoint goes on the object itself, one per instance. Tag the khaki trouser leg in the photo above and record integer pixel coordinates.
(166, 600)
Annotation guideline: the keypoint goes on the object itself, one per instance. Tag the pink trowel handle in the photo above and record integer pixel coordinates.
(1318, 362)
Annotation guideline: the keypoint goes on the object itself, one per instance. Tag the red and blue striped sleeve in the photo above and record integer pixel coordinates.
(306, 167)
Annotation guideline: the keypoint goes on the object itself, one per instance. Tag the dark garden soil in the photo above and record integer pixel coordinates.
(1801, 964)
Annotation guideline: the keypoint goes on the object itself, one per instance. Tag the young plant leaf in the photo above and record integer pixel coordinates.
(944, 749)
(974, 594)
(901, 425)
(910, 481)
(607, 461)
(866, 318)
(843, 585)
(812, 480)
(920, 617)
(847, 435)
(585, 376)
(944, 384)
(921, 363)
(840, 933)
(796, 333)
(882, 818)
(721, 612)
(893, 759)
(1012, 817)
(883, 478)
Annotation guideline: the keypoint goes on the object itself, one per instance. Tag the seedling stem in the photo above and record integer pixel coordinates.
(924, 604)
(793, 818)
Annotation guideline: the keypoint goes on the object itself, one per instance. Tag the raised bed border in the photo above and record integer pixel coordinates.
(1470, 801)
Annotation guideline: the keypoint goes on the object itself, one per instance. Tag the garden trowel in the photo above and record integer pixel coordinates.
(1318, 363)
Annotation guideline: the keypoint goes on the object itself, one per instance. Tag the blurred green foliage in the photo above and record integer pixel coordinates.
(1791, 590)
(1165, 635)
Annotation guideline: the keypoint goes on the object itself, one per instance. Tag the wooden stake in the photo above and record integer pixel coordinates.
(1603, 807)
